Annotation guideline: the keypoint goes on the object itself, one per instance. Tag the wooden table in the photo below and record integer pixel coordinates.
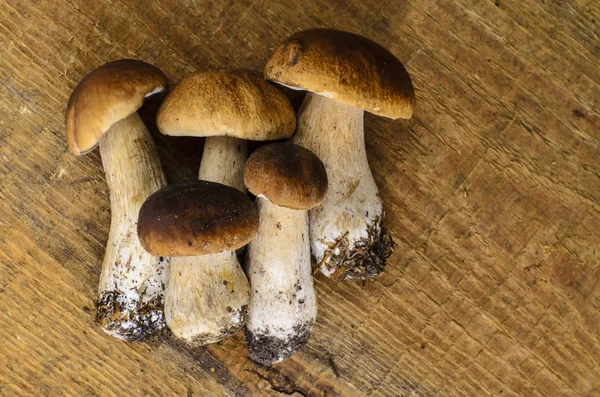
(492, 193)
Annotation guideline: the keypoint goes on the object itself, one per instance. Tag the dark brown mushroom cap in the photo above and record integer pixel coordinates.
(235, 103)
(196, 218)
(287, 175)
(106, 95)
(345, 67)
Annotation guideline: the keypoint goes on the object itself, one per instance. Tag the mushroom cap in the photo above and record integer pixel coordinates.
(235, 103)
(287, 175)
(108, 94)
(345, 67)
(196, 218)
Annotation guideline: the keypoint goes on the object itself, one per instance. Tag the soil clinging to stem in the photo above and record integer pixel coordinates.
(364, 259)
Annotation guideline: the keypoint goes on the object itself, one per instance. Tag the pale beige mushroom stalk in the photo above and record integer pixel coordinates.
(345, 74)
(227, 107)
(288, 180)
(102, 110)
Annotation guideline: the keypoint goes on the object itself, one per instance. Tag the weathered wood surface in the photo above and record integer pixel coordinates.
(492, 192)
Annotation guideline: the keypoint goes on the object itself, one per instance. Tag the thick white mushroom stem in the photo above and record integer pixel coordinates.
(223, 161)
(207, 296)
(347, 237)
(283, 304)
(131, 290)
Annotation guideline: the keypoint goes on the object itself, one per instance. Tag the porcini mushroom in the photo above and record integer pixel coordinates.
(345, 75)
(188, 219)
(227, 107)
(288, 180)
(102, 111)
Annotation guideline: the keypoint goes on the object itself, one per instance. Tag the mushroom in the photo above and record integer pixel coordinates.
(288, 180)
(102, 111)
(226, 107)
(345, 75)
(189, 219)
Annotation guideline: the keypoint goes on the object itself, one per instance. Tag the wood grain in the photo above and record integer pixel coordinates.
(492, 193)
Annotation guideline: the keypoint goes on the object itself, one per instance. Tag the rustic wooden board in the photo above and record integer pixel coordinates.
(492, 194)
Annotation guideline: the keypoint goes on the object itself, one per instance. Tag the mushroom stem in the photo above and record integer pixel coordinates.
(223, 161)
(131, 289)
(283, 304)
(207, 296)
(347, 237)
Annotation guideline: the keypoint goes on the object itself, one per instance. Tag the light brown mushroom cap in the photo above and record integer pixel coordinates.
(345, 67)
(196, 218)
(287, 175)
(238, 103)
(106, 95)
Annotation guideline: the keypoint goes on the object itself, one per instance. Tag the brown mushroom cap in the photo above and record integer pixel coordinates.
(237, 103)
(106, 95)
(196, 218)
(345, 67)
(287, 175)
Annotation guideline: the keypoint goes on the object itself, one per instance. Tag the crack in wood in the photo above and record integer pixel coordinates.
(279, 382)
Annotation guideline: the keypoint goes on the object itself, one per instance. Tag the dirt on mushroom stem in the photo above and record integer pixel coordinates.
(225, 333)
(361, 260)
(132, 321)
(268, 349)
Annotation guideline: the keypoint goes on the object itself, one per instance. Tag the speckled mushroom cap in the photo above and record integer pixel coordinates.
(287, 175)
(106, 95)
(235, 103)
(196, 218)
(346, 67)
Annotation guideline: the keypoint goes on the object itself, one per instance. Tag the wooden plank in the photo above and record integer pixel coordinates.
(492, 193)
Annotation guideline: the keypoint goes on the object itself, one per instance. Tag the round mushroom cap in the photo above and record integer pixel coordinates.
(106, 95)
(235, 103)
(196, 218)
(287, 175)
(345, 67)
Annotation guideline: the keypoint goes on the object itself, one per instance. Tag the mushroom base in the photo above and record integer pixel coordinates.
(359, 259)
(267, 349)
(207, 297)
(131, 320)
(204, 339)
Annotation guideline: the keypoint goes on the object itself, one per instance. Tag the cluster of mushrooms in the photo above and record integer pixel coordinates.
(172, 252)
